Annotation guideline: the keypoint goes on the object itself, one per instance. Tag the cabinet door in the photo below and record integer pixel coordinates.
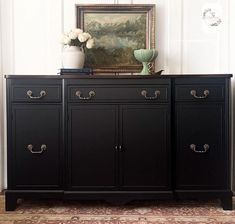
(92, 141)
(145, 147)
(34, 155)
(201, 155)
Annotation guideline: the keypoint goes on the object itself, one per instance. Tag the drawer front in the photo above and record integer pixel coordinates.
(36, 93)
(199, 92)
(107, 93)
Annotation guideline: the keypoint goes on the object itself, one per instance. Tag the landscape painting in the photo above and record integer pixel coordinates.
(117, 33)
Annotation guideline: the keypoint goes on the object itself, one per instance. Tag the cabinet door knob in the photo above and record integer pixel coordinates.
(194, 94)
(30, 148)
(145, 94)
(79, 94)
(30, 94)
(194, 148)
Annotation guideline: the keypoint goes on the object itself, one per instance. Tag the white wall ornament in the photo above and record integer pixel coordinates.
(210, 17)
(211, 14)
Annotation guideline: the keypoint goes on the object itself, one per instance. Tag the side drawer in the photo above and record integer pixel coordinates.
(36, 93)
(119, 93)
(200, 92)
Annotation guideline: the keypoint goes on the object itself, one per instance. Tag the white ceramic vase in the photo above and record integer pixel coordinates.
(73, 57)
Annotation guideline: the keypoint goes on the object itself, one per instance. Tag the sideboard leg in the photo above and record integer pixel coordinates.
(10, 202)
(227, 202)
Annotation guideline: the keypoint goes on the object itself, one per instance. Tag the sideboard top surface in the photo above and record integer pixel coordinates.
(102, 76)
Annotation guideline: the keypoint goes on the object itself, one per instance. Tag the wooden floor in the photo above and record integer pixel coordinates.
(146, 212)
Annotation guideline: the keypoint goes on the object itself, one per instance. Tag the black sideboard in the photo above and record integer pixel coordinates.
(118, 138)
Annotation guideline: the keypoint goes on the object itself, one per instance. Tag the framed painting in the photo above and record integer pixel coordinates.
(118, 30)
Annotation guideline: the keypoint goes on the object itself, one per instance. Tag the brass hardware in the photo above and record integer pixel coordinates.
(30, 148)
(194, 148)
(194, 94)
(79, 94)
(206, 147)
(145, 94)
(43, 147)
(30, 94)
(118, 147)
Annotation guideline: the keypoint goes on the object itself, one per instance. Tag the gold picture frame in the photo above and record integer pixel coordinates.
(118, 30)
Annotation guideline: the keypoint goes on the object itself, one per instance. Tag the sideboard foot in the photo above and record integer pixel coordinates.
(10, 202)
(227, 202)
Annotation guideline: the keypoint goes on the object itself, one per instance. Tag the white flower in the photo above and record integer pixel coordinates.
(88, 35)
(77, 37)
(78, 31)
(66, 40)
(84, 37)
(90, 43)
(72, 35)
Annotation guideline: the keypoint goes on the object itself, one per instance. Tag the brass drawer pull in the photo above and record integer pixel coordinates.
(145, 94)
(194, 94)
(30, 148)
(30, 94)
(118, 147)
(79, 94)
(194, 148)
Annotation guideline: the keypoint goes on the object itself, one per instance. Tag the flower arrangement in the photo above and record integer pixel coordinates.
(78, 38)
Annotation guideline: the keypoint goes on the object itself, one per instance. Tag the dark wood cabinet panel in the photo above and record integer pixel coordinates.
(201, 125)
(143, 160)
(36, 131)
(145, 147)
(92, 141)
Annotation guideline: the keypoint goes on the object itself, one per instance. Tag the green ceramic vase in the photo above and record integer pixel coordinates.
(145, 56)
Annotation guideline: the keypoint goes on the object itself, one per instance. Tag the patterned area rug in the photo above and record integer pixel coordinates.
(140, 212)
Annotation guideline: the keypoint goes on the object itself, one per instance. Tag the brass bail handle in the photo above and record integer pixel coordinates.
(30, 147)
(145, 94)
(41, 94)
(194, 148)
(194, 94)
(79, 94)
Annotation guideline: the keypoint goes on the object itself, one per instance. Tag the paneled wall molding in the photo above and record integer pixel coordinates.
(167, 43)
(175, 27)
(7, 67)
(231, 21)
(224, 37)
(162, 34)
(7, 36)
(232, 70)
(1, 112)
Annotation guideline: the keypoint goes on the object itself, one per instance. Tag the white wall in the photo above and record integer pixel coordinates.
(185, 43)
(31, 30)
(36, 33)
(231, 60)
(1, 113)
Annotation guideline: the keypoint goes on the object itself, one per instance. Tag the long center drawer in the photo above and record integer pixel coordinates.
(82, 93)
